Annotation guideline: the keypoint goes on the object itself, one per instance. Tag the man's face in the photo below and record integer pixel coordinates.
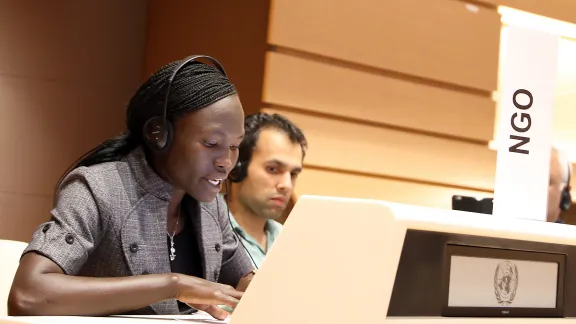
(555, 187)
(272, 172)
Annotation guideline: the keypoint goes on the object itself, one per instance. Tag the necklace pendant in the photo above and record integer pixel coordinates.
(172, 251)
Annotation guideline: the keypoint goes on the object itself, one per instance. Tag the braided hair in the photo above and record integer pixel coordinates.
(196, 86)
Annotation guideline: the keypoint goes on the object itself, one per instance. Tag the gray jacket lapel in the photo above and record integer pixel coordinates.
(144, 237)
(209, 235)
(145, 246)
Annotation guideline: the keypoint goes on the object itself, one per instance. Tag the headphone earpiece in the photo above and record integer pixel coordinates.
(238, 173)
(158, 134)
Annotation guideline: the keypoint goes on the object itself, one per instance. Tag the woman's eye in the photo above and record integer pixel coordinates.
(210, 144)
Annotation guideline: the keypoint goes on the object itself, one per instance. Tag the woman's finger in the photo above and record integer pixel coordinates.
(208, 297)
(213, 310)
(222, 298)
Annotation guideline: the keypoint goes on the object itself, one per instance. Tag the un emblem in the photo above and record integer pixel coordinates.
(505, 282)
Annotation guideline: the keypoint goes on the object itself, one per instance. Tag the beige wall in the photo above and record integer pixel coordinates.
(556, 9)
(66, 70)
(233, 32)
(394, 96)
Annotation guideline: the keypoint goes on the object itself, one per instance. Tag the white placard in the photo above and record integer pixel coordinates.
(525, 124)
(487, 282)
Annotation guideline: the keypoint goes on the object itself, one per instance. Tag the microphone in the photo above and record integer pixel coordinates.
(230, 221)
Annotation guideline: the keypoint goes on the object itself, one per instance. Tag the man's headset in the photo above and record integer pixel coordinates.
(238, 174)
(251, 125)
(240, 170)
(566, 199)
(158, 130)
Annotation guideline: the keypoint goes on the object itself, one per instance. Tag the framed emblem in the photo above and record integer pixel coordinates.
(495, 282)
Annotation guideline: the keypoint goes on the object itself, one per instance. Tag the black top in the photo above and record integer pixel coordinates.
(188, 259)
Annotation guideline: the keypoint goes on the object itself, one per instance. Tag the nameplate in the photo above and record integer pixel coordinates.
(498, 282)
(525, 123)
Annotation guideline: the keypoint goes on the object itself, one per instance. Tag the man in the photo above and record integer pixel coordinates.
(559, 198)
(270, 159)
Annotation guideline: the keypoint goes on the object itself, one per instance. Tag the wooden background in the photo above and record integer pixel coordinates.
(395, 97)
(67, 69)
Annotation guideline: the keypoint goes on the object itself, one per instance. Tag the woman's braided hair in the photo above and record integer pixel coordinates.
(196, 86)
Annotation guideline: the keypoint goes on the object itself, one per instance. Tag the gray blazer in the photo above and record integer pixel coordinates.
(109, 220)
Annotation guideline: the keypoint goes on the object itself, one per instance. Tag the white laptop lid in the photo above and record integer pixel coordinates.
(336, 258)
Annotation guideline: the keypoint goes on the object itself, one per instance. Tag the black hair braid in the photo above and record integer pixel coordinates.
(196, 86)
(206, 86)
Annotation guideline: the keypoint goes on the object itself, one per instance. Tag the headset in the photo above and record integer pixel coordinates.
(566, 198)
(231, 227)
(158, 130)
(240, 170)
(238, 174)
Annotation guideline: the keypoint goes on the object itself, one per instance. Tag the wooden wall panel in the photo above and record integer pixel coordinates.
(231, 31)
(63, 121)
(95, 42)
(441, 40)
(329, 89)
(67, 70)
(380, 151)
(326, 183)
(22, 214)
(488, 3)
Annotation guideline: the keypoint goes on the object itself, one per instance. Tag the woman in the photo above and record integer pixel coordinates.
(137, 224)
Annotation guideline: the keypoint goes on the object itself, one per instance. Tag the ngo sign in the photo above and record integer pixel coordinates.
(525, 130)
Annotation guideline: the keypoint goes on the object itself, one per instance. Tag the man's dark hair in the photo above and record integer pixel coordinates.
(255, 123)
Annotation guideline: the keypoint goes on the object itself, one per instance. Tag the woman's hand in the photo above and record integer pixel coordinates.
(205, 295)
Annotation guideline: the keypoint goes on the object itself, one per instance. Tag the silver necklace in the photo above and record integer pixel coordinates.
(172, 248)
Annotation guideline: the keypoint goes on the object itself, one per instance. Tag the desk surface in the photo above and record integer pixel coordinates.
(200, 317)
(207, 319)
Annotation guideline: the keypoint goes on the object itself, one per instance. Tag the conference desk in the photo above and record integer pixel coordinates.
(200, 317)
(391, 241)
(207, 319)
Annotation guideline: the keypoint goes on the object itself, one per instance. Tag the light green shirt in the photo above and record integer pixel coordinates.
(272, 229)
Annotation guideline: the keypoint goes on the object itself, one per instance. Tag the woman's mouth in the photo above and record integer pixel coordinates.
(215, 182)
